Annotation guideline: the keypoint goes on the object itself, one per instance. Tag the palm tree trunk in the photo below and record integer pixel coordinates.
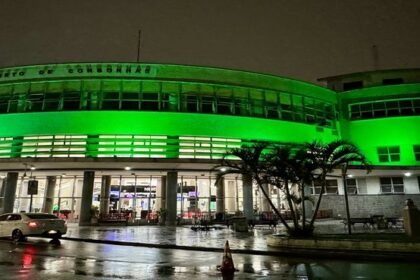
(282, 220)
(318, 203)
(302, 194)
(289, 201)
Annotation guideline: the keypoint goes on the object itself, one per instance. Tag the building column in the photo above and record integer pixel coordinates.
(161, 193)
(247, 197)
(3, 187)
(92, 146)
(230, 196)
(265, 205)
(105, 191)
(87, 194)
(10, 191)
(171, 189)
(172, 149)
(49, 194)
(220, 199)
(17, 147)
(3, 184)
(173, 104)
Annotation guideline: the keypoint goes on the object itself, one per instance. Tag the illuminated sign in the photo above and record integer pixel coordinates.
(78, 70)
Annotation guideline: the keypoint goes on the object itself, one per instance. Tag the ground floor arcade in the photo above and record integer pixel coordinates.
(77, 195)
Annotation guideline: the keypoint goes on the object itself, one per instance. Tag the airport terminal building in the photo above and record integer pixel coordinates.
(144, 138)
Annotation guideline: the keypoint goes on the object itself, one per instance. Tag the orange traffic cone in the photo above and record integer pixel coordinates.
(227, 266)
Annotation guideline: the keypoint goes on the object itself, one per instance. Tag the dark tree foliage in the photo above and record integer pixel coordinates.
(289, 168)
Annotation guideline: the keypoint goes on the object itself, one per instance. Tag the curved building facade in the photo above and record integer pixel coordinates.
(145, 137)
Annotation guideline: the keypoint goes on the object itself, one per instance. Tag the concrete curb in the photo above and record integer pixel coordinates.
(344, 244)
(343, 248)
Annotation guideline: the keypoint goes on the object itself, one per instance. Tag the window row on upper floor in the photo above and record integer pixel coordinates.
(145, 86)
(251, 102)
(392, 153)
(387, 185)
(385, 108)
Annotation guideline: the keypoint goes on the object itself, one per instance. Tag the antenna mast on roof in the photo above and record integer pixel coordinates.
(375, 57)
(138, 46)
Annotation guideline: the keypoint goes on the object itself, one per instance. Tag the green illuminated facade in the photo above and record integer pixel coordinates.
(102, 116)
(107, 108)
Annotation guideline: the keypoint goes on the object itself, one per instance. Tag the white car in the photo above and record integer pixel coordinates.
(20, 225)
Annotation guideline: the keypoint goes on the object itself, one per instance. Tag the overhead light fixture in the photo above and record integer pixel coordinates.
(2, 176)
(407, 174)
(223, 169)
(33, 167)
(350, 175)
(127, 168)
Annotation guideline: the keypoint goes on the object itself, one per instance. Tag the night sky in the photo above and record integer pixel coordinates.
(301, 39)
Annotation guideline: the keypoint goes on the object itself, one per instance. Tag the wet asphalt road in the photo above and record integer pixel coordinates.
(37, 259)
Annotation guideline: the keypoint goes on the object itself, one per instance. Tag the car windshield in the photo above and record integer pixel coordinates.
(41, 216)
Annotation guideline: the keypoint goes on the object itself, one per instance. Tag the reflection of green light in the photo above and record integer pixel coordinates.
(373, 133)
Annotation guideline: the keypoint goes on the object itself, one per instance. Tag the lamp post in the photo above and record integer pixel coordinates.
(344, 175)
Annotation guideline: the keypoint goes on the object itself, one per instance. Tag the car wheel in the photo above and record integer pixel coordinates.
(55, 241)
(17, 236)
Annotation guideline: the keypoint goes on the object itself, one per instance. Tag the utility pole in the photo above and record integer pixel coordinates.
(375, 57)
(138, 45)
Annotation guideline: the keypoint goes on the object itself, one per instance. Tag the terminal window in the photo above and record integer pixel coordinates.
(385, 108)
(331, 187)
(416, 149)
(392, 184)
(351, 186)
(389, 154)
(352, 85)
(392, 81)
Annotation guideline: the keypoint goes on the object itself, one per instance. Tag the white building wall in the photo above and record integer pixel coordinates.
(411, 185)
(373, 186)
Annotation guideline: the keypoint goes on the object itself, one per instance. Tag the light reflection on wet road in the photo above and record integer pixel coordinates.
(37, 259)
(183, 236)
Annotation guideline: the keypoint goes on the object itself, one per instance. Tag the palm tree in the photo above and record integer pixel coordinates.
(252, 162)
(289, 165)
(280, 166)
(327, 157)
(286, 166)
